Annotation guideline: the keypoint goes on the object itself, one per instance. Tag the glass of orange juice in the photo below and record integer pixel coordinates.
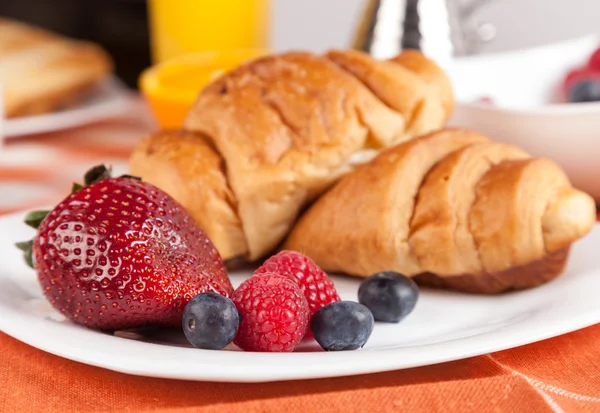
(181, 27)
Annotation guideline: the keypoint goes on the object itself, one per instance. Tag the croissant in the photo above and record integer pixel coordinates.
(42, 71)
(266, 139)
(452, 208)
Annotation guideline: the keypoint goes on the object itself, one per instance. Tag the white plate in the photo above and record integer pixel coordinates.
(110, 99)
(444, 326)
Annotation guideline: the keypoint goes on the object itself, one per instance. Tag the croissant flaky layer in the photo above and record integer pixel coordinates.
(188, 165)
(448, 203)
(278, 131)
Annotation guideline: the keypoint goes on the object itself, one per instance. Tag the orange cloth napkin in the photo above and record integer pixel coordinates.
(557, 375)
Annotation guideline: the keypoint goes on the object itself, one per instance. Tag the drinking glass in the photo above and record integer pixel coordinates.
(182, 27)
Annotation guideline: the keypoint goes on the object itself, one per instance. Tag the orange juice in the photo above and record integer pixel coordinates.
(180, 27)
(171, 87)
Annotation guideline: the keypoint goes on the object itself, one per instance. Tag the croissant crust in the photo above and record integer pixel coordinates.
(284, 128)
(452, 208)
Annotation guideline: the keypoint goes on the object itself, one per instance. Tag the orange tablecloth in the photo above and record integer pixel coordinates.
(556, 375)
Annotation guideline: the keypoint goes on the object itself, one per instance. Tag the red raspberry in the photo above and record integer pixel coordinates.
(313, 281)
(274, 314)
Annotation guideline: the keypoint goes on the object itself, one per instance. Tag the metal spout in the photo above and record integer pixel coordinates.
(441, 29)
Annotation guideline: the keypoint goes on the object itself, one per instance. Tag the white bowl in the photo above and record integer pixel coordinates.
(525, 111)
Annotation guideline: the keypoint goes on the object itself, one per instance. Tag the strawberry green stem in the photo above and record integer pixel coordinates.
(137, 178)
(97, 173)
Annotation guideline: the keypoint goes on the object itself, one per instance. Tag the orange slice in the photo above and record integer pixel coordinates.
(171, 87)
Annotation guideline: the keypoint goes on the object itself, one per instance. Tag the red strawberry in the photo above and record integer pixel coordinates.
(120, 253)
(577, 75)
(274, 314)
(594, 62)
(313, 281)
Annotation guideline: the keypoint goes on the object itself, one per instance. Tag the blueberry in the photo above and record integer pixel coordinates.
(210, 321)
(343, 325)
(389, 295)
(585, 91)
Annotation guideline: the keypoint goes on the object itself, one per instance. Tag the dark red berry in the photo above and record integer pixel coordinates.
(594, 62)
(121, 253)
(274, 314)
(578, 75)
(316, 285)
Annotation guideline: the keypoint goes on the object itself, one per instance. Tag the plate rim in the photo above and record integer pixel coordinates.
(209, 364)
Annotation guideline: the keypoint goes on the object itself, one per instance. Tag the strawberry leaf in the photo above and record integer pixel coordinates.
(76, 187)
(27, 248)
(24, 245)
(35, 218)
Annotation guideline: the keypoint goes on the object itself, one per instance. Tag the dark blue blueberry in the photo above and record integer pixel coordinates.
(343, 325)
(585, 91)
(389, 295)
(210, 321)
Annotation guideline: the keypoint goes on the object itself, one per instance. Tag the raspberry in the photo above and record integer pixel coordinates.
(274, 312)
(313, 281)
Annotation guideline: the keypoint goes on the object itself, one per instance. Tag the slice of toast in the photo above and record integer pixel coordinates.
(42, 72)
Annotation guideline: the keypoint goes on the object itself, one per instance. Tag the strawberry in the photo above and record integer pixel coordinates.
(594, 62)
(274, 312)
(577, 75)
(315, 284)
(120, 253)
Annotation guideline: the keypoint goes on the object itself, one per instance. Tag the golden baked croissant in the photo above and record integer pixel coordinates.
(452, 208)
(42, 71)
(266, 139)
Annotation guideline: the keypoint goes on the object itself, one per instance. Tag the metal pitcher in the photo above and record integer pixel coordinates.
(441, 29)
